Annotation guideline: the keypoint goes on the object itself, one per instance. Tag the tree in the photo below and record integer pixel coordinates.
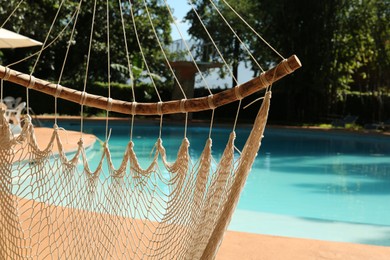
(305, 28)
(33, 18)
(206, 16)
(290, 27)
(362, 41)
(343, 45)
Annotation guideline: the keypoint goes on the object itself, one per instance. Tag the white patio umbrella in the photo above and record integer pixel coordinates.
(9, 39)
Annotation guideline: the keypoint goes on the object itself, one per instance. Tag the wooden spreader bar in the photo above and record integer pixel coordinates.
(169, 107)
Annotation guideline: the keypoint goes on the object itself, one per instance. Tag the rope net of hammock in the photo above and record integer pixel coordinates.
(54, 206)
(57, 205)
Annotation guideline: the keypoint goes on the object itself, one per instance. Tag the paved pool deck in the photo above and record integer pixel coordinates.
(69, 139)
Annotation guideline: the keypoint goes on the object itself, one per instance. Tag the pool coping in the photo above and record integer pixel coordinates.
(151, 120)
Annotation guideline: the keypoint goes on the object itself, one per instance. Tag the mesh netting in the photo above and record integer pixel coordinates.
(54, 206)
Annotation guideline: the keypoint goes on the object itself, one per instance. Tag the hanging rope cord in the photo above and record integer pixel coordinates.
(12, 13)
(50, 43)
(159, 42)
(32, 79)
(246, 48)
(86, 69)
(146, 64)
(71, 38)
(188, 52)
(167, 211)
(2, 25)
(167, 60)
(129, 67)
(237, 36)
(109, 105)
(252, 29)
(247, 51)
(223, 60)
(44, 46)
(259, 36)
(41, 50)
(213, 42)
(162, 48)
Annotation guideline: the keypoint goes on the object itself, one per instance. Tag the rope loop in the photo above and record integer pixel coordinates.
(83, 98)
(109, 104)
(80, 142)
(31, 82)
(27, 118)
(133, 107)
(7, 74)
(59, 89)
(182, 105)
(237, 92)
(264, 80)
(211, 102)
(159, 108)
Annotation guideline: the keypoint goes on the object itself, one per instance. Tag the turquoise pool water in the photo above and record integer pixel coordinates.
(310, 184)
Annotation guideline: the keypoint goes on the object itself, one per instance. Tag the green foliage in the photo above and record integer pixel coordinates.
(361, 51)
(33, 18)
(343, 44)
(230, 46)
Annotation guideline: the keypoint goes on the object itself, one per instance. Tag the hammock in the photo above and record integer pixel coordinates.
(52, 205)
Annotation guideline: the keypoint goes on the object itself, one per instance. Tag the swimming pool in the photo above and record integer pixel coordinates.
(310, 184)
